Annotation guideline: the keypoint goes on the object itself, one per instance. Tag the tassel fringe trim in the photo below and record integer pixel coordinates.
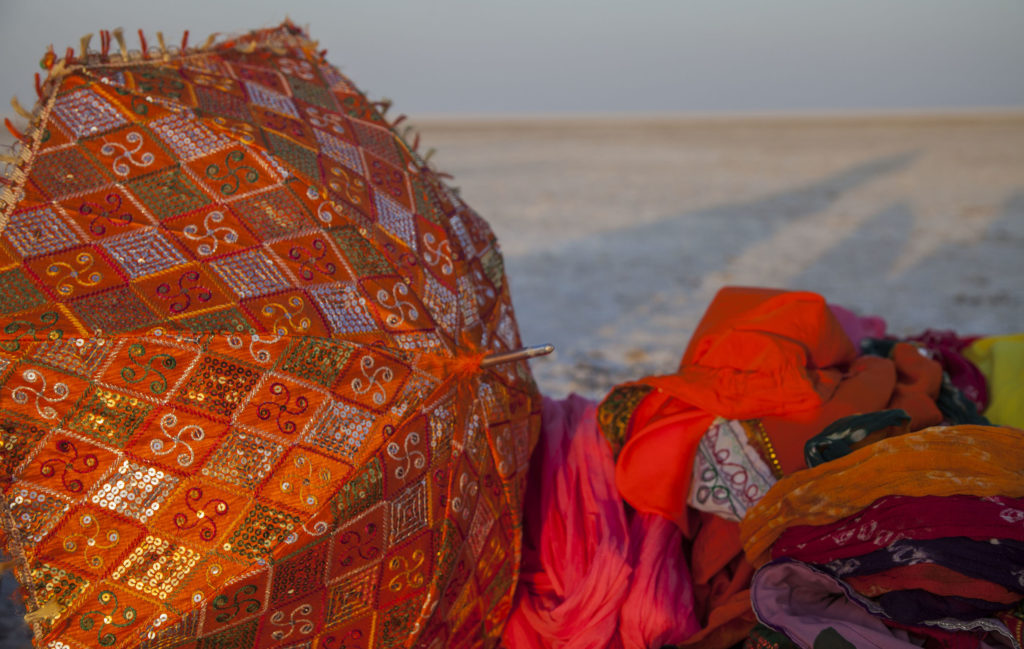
(17, 160)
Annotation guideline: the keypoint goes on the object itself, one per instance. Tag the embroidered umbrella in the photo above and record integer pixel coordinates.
(251, 380)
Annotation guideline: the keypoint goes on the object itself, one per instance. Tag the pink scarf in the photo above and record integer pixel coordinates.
(593, 576)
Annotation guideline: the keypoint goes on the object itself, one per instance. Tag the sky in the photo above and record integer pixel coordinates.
(598, 56)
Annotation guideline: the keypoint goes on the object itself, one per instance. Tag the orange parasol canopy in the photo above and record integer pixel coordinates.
(244, 394)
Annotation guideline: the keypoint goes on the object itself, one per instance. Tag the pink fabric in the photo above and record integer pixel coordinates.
(593, 576)
(858, 327)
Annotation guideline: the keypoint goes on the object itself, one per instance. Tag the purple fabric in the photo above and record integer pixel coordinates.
(801, 601)
(857, 327)
(796, 599)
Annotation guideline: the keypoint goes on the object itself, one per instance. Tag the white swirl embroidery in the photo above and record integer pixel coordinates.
(298, 325)
(394, 453)
(277, 619)
(229, 235)
(193, 431)
(21, 393)
(406, 310)
(467, 489)
(438, 253)
(127, 155)
(375, 379)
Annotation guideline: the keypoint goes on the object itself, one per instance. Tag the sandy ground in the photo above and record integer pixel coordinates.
(618, 232)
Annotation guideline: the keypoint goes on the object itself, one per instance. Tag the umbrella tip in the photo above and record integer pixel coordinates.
(48, 610)
(520, 354)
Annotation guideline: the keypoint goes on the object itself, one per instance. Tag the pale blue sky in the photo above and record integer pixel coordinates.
(543, 56)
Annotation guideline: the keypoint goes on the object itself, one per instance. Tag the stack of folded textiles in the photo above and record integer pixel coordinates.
(802, 480)
(919, 536)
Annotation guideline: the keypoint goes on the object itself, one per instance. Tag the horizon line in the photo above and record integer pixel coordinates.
(826, 113)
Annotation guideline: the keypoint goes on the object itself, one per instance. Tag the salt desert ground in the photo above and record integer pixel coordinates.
(617, 231)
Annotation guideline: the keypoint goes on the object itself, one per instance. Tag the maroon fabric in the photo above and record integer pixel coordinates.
(892, 518)
(946, 347)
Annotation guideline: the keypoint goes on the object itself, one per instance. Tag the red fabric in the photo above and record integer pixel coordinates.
(906, 380)
(721, 578)
(593, 576)
(934, 579)
(867, 387)
(919, 379)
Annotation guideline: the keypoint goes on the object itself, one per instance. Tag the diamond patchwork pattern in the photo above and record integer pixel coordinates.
(85, 113)
(232, 296)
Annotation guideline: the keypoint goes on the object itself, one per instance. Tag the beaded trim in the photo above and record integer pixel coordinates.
(759, 436)
(616, 410)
